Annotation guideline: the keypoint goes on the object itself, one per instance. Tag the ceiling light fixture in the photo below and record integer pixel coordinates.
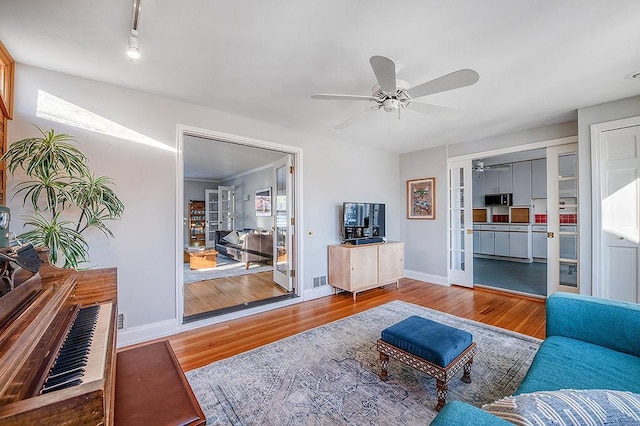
(134, 44)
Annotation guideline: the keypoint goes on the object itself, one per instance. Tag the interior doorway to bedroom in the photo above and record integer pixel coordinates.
(238, 210)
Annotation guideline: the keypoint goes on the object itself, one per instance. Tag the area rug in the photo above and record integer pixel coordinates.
(329, 375)
(225, 267)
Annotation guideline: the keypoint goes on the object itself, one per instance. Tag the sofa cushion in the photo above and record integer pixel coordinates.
(585, 407)
(232, 237)
(564, 363)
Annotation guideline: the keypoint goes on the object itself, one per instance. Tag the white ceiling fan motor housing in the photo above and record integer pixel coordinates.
(390, 105)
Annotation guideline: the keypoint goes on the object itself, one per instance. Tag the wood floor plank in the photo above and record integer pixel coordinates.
(202, 346)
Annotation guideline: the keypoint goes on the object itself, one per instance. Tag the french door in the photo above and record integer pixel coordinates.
(563, 273)
(283, 222)
(460, 223)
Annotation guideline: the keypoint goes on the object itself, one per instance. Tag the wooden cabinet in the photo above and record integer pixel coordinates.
(539, 178)
(196, 223)
(356, 268)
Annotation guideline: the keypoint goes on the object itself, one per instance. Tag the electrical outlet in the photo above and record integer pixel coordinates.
(121, 321)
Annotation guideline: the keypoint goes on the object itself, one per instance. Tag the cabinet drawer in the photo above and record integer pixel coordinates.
(519, 228)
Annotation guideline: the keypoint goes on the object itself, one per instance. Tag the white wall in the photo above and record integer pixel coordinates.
(145, 246)
(425, 254)
(426, 240)
(610, 111)
(246, 210)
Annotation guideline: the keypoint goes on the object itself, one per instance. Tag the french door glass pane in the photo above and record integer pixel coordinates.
(457, 260)
(569, 274)
(457, 240)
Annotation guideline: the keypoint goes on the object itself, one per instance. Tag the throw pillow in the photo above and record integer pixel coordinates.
(232, 237)
(569, 407)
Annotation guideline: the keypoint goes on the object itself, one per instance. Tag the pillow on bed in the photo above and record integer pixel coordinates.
(568, 406)
(232, 237)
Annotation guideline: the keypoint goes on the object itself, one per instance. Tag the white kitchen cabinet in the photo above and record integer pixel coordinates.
(498, 181)
(505, 180)
(501, 243)
(491, 182)
(539, 178)
(476, 241)
(519, 244)
(478, 189)
(486, 242)
(539, 242)
(522, 183)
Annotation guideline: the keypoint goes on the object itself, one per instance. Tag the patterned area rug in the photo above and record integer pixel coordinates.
(225, 267)
(329, 375)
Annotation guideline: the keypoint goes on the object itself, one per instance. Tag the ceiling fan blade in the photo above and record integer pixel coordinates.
(438, 111)
(454, 80)
(385, 70)
(343, 97)
(359, 116)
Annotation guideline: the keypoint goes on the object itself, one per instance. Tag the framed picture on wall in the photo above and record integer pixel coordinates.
(263, 202)
(421, 198)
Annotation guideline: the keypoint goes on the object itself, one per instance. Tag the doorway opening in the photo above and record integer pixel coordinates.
(513, 219)
(238, 202)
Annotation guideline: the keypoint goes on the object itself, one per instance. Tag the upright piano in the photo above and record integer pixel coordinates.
(57, 348)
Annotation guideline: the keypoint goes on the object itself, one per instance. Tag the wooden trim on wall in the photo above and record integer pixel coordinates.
(7, 68)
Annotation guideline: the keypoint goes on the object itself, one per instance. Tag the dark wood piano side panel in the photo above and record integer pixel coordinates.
(79, 405)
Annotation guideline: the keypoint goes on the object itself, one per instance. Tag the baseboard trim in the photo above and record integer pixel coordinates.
(318, 292)
(147, 332)
(430, 278)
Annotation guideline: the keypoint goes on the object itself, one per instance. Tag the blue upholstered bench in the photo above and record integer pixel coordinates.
(435, 349)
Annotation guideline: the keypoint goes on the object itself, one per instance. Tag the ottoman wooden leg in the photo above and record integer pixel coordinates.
(441, 390)
(384, 364)
(466, 377)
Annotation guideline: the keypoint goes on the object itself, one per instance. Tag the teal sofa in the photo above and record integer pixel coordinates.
(591, 343)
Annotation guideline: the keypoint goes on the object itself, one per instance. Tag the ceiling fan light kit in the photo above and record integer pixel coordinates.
(391, 94)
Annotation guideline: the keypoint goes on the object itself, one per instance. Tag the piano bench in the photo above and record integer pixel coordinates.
(151, 389)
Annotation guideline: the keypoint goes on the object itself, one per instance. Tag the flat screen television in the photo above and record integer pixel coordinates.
(362, 220)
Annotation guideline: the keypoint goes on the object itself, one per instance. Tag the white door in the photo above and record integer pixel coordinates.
(617, 196)
(562, 219)
(283, 222)
(212, 214)
(460, 223)
(227, 208)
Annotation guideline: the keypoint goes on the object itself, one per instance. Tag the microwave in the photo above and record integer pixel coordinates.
(498, 200)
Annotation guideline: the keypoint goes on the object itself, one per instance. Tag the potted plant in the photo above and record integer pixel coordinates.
(66, 198)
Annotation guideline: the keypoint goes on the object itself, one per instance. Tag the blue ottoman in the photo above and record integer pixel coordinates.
(435, 349)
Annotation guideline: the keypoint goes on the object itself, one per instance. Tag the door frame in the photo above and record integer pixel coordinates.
(297, 240)
(597, 287)
(509, 150)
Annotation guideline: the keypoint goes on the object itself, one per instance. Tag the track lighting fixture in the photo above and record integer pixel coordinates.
(133, 51)
(134, 47)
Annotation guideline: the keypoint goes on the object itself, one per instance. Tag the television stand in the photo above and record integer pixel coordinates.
(356, 268)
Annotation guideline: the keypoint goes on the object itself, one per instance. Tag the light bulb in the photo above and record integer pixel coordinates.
(134, 48)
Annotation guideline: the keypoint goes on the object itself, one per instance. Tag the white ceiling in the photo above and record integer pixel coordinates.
(215, 160)
(538, 60)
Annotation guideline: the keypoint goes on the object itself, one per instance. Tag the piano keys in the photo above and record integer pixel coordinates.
(57, 348)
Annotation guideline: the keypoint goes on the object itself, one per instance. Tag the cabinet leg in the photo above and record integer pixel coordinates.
(354, 296)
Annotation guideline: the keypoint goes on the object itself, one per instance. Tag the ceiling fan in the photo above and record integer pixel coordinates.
(478, 166)
(392, 94)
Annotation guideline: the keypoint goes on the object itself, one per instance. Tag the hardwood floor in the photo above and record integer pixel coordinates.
(200, 347)
(210, 295)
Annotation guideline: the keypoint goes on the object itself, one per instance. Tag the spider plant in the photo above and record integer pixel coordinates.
(66, 198)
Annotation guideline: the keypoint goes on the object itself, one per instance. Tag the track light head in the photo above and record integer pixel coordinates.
(134, 47)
